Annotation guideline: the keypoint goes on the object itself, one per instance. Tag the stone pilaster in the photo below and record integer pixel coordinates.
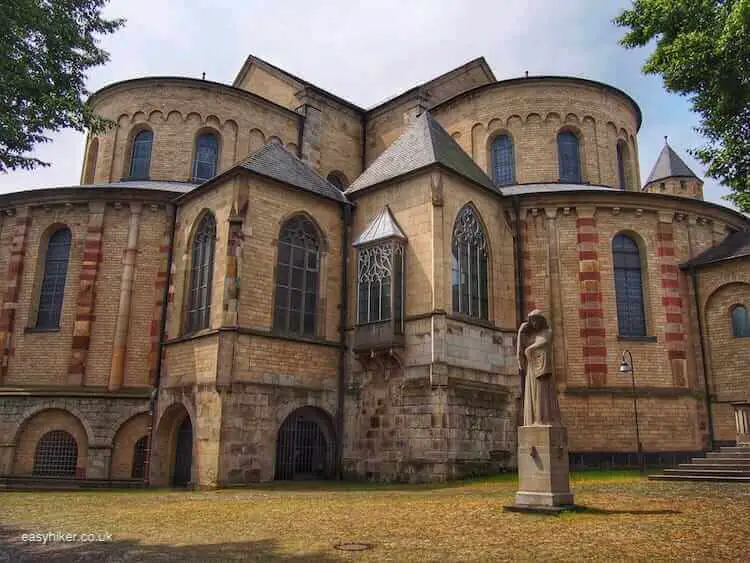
(92, 257)
(311, 136)
(159, 306)
(590, 310)
(120, 343)
(527, 272)
(15, 276)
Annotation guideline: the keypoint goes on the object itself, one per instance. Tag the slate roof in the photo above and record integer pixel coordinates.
(735, 245)
(669, 165)
(521, 189)
(424, 143)
(382, 227)
(274, 161)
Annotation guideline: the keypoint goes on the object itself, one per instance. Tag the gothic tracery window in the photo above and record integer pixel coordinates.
(56, 454)
(201, 274)
(53, 280)
(297, 273)
(140, 158)
(503, 164)
(206, 156)
(569, 157)
(380, 279)
(631, 316)
(469, 266)
(740, 322)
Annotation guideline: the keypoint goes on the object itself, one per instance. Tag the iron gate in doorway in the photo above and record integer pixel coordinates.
(305, 448)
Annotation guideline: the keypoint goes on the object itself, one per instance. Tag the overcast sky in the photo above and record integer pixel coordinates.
(368, 51)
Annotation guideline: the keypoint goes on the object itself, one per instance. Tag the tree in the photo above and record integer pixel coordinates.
(47, 46)
(703, 52)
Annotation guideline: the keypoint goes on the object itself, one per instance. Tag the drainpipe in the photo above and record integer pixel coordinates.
(346, 216)
(162, 333)
(707, 388)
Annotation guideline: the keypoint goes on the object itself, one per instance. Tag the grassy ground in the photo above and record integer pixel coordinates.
(626, 518)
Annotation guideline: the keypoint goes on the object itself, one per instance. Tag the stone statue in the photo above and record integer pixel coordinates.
(534, 353)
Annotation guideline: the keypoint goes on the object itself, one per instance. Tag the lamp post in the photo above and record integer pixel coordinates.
(626, 366)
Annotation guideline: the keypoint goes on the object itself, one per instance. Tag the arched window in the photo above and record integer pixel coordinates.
(621, 158)
(503, 164)
(336, 179)
(53, 280)
(469, 265)
(206, 156)
(139, 458)
(740, 322)
(201, 274)
(631, 316)
(569, 157)
(56, 454)
(91, 157)
(297, 273)
(140, 159)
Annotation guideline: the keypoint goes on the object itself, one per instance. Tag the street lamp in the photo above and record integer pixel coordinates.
(626, 366)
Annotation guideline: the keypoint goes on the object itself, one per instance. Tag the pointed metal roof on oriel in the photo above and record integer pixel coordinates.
(382, 227)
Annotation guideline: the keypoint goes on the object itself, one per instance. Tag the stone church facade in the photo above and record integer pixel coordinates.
(264, 281)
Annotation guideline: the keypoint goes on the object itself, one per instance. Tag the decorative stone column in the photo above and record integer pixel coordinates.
(742, 422)
(120, 344)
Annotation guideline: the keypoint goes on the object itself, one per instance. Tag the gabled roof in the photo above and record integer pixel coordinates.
(669, 165)
(735, 245)
(275, 161)
(382, 227)
(423, 144)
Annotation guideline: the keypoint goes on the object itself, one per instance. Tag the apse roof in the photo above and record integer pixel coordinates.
(734, 245)
(669, 165)
(382, 227)
(275, 161)
(424, 143)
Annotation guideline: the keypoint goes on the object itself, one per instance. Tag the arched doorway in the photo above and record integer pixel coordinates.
(183, 454)
(305, 446)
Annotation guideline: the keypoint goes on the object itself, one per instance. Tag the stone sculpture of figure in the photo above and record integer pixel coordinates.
(534, 353)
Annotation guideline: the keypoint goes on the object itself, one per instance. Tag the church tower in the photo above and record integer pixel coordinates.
(670, 175)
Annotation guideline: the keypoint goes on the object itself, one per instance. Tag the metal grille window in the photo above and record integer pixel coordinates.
(569, 157)
(297, 273)
(740, 322)
(56, 454)
(621, 166)
(139, 458)
(53, 282)
(302, 448)
(628, 286)
(140, 159)
(201, 274)
(206, 156)
(503, 165)
(380, 283)
(469, 266)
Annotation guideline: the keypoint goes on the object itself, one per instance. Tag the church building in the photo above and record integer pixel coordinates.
(264, 281)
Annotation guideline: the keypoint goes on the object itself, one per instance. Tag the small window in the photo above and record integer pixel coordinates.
(740, 322)
(336, 179)
(201, 274)
(631, 316)
(469, 266)
(139, 459)
(140, 159)
(569, 157)
(206, 156)
(56, 454)
(662, 187)
(53, 281)
(683, 185)
(503, 164)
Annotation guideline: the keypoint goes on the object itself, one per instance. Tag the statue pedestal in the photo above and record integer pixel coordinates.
(543, 484)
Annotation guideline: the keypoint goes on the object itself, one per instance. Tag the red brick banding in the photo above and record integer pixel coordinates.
(675, 336)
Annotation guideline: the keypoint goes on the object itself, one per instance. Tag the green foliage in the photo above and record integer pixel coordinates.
(47, 46)
(703, 52)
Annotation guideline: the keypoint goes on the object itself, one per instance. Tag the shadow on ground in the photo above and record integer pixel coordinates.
(14, 550)
(604, 511)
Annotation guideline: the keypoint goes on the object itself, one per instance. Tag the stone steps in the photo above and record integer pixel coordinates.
(728, 464)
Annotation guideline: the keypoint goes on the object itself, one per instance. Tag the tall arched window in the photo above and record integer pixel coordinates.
(201, 274)
(503, 164)
(569, 157)
(740, 322)
(56, 454)
(469, 266)
(621, 158)
(297, 273)
(140, 158)
(53, 280)
(139, 458)
(631, 315)
(206, 156)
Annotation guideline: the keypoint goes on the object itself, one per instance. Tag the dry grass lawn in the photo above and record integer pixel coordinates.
(626, 519)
